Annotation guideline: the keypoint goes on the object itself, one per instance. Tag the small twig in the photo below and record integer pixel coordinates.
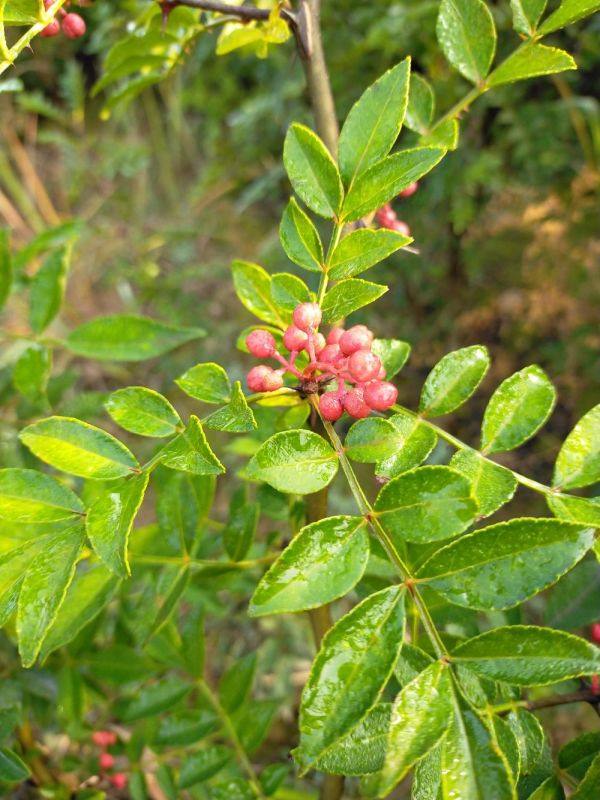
(582, 696)
(241, 12)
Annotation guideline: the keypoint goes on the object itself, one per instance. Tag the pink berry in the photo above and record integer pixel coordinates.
(118, 780)
(355, 405)
(319, 342)
(73, 26)
(334, 335)
(364, 366)
(295, 339)
(410, 190)
(596, 632)
(380, 395)
(260, 343)
(106, 761)
(256, 378)
(52, 29)
(385, 216)
(330, 406)
(104, 738)
(307, 316)
(359, 337)
(401, 227)
(331, 354)
(272, 381)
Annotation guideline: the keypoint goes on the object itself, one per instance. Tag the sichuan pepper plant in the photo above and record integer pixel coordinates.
(432, 663)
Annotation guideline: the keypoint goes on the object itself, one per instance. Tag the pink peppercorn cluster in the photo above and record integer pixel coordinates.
(106, 761)
(72, 25)
(345, 357)
(386, 216)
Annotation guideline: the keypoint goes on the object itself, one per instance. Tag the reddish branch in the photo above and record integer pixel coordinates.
(242, 12)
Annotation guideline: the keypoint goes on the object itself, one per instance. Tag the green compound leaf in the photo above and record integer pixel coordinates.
(206, 382)
(503, 565)
(517, 410)
(419, 720)
(350, 671)
(190, 452)
(467, 35)
(427, 504)
(153, 699)
(300, 239)
(372, 439)
(12, 768)
(47, 290)
(31, 372)
(312, 171)
(6, 267)
(421, 104)
(236, 683)
(453, 380)
(385, 180)
(126, 337)
(575, 509)
(362, 751)
(288, 291)
(324, 561)
(78, 448)
(30, 496)
(348, 296)
(362, 249)
(528, 656)
(578, 463)
(110, 519)
(143, 411)
(529, 61)
(393, 353)
(202, 765)
(493, 485)
(44, 589)
(296, 462)
(471, 762)
(374, 122)
(235, 417)
(568, 12)
(418, 440)
(253, 288)
(526, 15)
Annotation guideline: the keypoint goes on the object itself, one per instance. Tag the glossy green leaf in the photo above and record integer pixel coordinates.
(323, 562)
(190, 452)
(528, 656)
(89, 593)
(362, 751)
(576, 756)
(504, 564)
(236, 683)
(13, 565)
(206, 382)
(550, 789)
(143, 411)
(253, 288)
(418, 440)
(47, 290)
(530, 61)
(467, 35)
(296, 462)
(453, 380)
(492, 485)
(411, 661)
(393, 354)
(588, 786)
(241, 528)
(202, 765)
(584, 510)
(44, 588)
(506, 741)
(30, 496)
(568, 12)
(471, 763)
(78, 448)
(300, 239)
(578, 463)
(348, 296)
(235, 417)
(154, 699)
(110, 519)
(125, 337)
(530, 738)
(362, 249)
(6, 268)
(12, 768)
(288, 291)
(575, 600)
(526, 15)
(372, 439)
(374, 122)
(427, 778)
(517, 410)
(421, 104)
(385, 180)
(312, 171)
(443, 134)
(426, 504)
(419, 720)
(32, 371)
(350, 671)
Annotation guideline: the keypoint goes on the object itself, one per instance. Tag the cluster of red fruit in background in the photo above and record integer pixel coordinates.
(72, 25)
(106, 761)
(386, 216)
(344, 356)
(595, 635)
